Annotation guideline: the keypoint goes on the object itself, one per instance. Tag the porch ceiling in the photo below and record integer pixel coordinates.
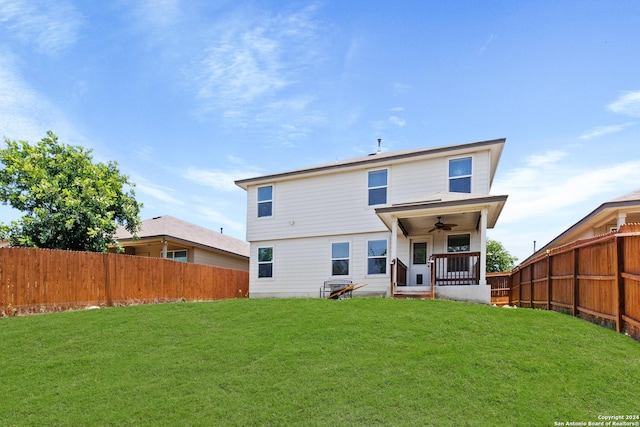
(419, 217)
(423, 224)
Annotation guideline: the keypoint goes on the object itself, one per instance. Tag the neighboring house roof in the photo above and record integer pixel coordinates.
(597, 217)
(169, 227)
(495, 145)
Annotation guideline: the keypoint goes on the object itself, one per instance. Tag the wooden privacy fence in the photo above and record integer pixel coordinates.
(500, 287)
(40, 280)
(597, 279)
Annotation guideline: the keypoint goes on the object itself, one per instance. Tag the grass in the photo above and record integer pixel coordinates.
(313, 362)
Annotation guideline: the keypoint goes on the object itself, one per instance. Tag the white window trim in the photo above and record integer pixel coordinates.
(174, 254)
(387, 267)
(331, 259)
(448, 179)
(273, 204)
(272, 262)
(386, 168)
(459, 233)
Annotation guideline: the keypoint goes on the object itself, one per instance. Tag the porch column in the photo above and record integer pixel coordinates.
(164, 249)
(394, 252)
(483, 246)
(622, 219)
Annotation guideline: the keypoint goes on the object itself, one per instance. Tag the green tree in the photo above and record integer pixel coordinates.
(498, 258)
(68, 201)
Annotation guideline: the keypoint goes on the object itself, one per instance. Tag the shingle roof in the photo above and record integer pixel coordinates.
(170, 227)
(629, 199)
(633, 196)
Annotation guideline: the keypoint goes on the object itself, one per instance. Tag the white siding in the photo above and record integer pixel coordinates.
(302, 265)
(311, 211)
(324, 205)
(336, 203)
(481, 172)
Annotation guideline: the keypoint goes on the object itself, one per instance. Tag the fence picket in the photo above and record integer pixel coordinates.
(47, 280)
(596, 278)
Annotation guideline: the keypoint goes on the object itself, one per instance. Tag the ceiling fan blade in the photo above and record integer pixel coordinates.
(450, 225)
(446, 227)
(431, 231)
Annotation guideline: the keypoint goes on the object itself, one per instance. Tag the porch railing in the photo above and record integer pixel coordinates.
(402, 274)
(398, 275)
(456, 269)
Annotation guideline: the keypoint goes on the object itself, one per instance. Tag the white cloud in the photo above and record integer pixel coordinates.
(486, 44)
(161, 193)
(604, 130)
(252, 58)
(546, 159)
(397, 121)
(627, 104)
(400, 88)
(49, 26)
(553, 187)
(159, 13)
(217, 179)
(550, 194)
(213, 216)
(24, 113)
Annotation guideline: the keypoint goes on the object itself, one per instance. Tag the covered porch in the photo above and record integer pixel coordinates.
(438, 245)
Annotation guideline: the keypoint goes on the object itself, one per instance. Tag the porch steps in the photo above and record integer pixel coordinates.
(414, 295)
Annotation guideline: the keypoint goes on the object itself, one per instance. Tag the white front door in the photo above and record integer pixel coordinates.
(419, 274)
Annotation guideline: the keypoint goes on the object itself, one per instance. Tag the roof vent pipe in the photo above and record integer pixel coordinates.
(379, 141)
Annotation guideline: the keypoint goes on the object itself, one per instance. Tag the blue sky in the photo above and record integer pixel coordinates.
(188, 96)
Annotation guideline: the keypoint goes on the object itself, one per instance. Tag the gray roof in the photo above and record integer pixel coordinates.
(177, 229)
(495, 145)
(634, 196)
(629, 199)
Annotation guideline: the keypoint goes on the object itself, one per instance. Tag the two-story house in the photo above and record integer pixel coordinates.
(396, 221)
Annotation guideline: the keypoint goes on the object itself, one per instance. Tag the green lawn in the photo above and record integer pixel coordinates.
(313, 362)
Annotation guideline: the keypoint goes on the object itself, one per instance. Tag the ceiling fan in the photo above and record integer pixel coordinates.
(441, 226)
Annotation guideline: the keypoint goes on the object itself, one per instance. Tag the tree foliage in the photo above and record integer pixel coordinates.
(69, 202)
(498, 258)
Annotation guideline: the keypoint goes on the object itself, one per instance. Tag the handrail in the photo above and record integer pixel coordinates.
(398, 274)
(457, 268)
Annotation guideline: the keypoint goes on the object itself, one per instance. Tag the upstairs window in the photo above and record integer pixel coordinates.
(340, 259)
(377, 185)
(460, 175)
(265, 262)
(265, 201)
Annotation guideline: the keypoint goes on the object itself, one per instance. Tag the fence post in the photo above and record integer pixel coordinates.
(574, 298)
(619, 285)
(510, 288)
(532, 283)
(520, 288)
(107, 279)
(549, 258)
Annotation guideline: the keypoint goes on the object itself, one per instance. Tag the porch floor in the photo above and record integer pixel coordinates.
(415, 295)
